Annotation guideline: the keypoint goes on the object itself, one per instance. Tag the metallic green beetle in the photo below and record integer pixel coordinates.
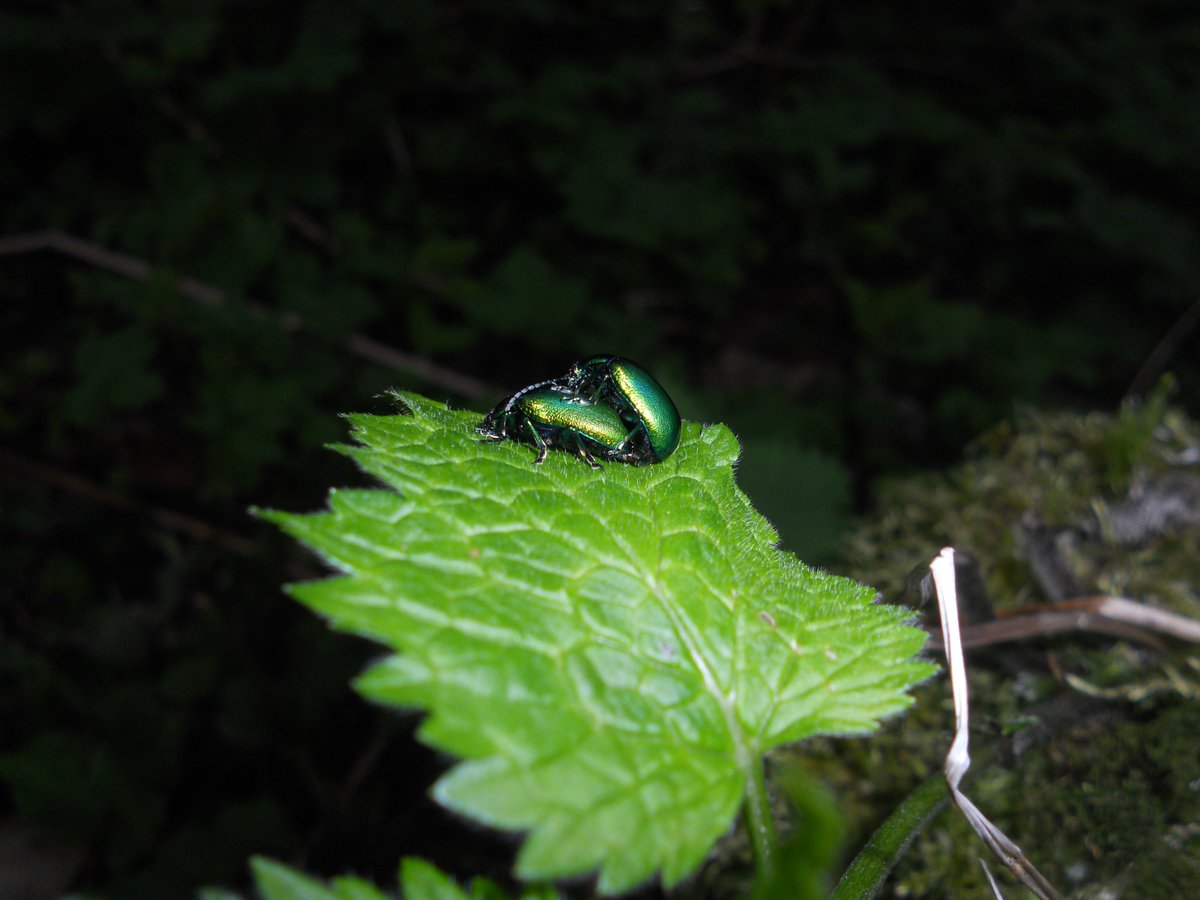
(632, 391)
(558, 417)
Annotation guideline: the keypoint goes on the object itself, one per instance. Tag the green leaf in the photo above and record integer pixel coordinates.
(276, 881)
(611, 652)
(423, 880)
(419, 880)
(113, 374)
(810, 851)
(279, 882)
(521, 290)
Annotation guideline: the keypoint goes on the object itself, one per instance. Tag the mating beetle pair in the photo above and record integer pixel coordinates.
(605, 407)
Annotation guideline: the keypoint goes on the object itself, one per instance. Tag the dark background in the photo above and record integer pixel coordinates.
(859, 236)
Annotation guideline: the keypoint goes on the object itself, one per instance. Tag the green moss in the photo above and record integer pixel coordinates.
(1112, 802)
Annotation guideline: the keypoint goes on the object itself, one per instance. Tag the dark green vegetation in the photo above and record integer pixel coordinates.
(855, 234)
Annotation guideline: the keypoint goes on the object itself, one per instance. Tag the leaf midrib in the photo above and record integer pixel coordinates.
(744, 755)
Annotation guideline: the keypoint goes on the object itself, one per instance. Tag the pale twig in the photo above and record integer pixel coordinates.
(958, 760)
(139, 270)
(1117, 616)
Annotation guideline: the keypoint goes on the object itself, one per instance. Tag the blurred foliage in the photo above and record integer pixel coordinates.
(418, 881)
(855, 234)
(859, 207)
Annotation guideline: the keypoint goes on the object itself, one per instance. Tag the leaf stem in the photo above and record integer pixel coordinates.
(760, 822)
(866, 874)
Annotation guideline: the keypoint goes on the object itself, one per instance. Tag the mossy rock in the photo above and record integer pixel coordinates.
(1100, 785)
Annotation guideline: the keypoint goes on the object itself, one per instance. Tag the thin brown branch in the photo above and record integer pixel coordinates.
(166, 518)
(1115, 616)
(312, 230)
(1157, 361)
(397, 147)
(363, 765)
(390, 357)
(139, 270)
(189, 125)
(102, 258)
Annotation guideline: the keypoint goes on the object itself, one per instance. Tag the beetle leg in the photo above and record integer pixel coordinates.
(576, 444)
(581, 451)
(629, 451)
(624, 447)
(589, 459)
(537, 439)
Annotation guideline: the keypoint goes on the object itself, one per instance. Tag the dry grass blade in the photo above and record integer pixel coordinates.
(958, 760)
(991, 879)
